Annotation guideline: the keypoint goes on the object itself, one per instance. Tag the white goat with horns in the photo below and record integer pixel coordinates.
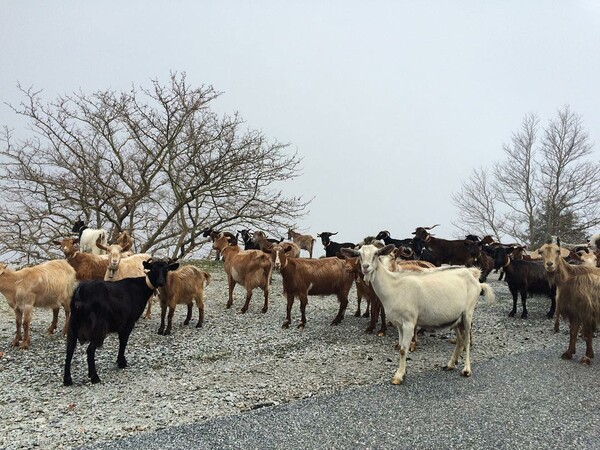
(439, 298)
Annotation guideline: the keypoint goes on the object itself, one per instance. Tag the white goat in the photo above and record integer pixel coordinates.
(88, 237)
(442, 298)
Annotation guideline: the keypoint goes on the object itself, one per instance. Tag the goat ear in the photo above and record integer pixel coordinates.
(386, 250)
(57, 243)
(174, 266)
(127, 247)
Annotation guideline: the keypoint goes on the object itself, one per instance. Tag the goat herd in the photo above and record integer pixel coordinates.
(420, 282)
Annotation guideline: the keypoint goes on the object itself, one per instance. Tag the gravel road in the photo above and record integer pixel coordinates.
(238, 366)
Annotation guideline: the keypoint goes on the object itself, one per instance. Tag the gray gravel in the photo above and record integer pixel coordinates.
(237, 367)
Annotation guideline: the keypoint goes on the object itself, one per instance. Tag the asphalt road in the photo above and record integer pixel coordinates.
(531, 400)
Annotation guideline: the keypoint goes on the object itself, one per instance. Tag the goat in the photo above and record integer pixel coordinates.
(578, 295)
(453, 252)
(87, 265)
(387, 239)
(260, 239)
(443, 298)
(250, 268)
(212, 234)
(304, 241)
(47, 285)
(594, 242)
(303, 277)
(332, 248)
(123, 264)
(484, 261)
(527, 277)
(124, 239)
(100, 307)
(89, 236)
(249, 244)
(183, 286)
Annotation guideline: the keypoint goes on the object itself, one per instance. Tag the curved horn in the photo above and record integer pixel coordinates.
(431, 228)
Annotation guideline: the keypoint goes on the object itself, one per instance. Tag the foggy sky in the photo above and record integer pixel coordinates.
(391, 104)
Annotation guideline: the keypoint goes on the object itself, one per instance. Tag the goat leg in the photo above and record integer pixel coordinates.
(52, 328)
(343, 301)
(200, 304)
(123, 338)
(91, 360)
(19, 323)
(71, 345)
(573, 331)
(188, 317)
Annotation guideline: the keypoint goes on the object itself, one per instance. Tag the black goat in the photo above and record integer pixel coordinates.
(332, 248)
(249, 244)
(212, 233)
(101, 307)
(528, 277)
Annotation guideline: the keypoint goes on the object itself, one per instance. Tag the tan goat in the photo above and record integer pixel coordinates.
(250, 268)
(304, 241)
(184, 286)
(88, 266)
(577, 295)
(47, 285)
(123, 264)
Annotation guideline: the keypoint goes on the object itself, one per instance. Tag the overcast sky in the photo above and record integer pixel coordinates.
(391, 104)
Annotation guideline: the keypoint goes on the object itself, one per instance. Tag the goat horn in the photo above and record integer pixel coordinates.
(430, 228)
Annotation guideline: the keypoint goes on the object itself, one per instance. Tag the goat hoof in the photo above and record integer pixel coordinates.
(369, 331)
(228, 305)
(366, 314)
(167, 332)
(301, 326)
(357, 314)
(264, 310)
(585, 361)
(511, 314)
(566, 355)
(160, 331)
(95, 379)
(381, 333)
(122, 363)
(524, 316)
(285, 325)
(186, 322)
(466, 373)
(397, 381)
(67, 381)
(199, 325)
(448, 368)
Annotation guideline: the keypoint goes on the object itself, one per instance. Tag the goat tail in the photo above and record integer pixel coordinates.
(207, 278)
(488, 293)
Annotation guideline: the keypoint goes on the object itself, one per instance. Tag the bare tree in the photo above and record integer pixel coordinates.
(477, 201)
(158, 162)
(543, 187)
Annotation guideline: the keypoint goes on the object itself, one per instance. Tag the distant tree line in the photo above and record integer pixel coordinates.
(547, 184)
(157, 161)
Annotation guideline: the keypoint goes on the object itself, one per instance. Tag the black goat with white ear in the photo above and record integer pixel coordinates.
(100, 307)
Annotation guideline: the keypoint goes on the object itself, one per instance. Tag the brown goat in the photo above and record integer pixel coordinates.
(304, 241)
(578, 294)
(47, 285)
(462, 251)
(124, 240)
(303, 277)
(250, 268)
(184, 286)
(88, 266)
